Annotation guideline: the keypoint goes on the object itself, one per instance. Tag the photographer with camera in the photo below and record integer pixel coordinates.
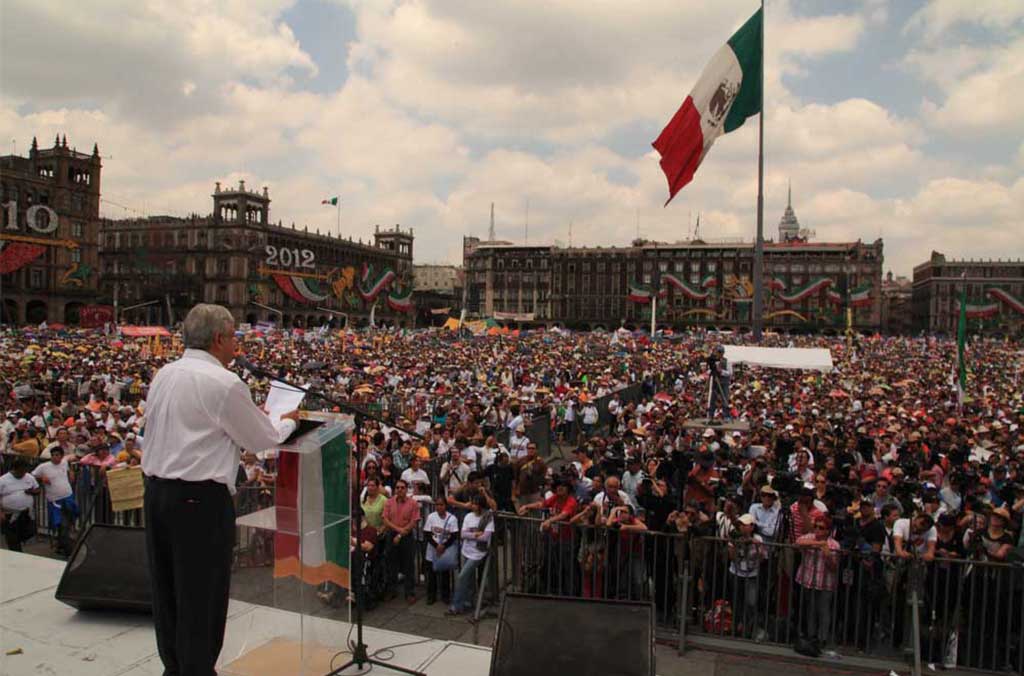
(559, 508)
(991, 542)
(720, 375)
(700, 483)
(746, 554)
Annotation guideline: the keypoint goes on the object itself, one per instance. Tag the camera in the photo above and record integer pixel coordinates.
(787, 484)
(1008, 493)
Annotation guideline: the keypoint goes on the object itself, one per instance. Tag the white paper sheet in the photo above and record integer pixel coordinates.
(281, 399)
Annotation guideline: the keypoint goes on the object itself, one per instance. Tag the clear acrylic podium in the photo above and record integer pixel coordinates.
(299, 578)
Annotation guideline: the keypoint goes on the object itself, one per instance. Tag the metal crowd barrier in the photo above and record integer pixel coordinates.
(958, 613)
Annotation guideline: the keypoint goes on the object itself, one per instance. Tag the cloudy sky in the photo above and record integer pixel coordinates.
(895, 118)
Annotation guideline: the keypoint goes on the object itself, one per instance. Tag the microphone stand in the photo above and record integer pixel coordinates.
(360, 652)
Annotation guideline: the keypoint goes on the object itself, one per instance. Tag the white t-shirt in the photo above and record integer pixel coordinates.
(901, 529)
(13, 497)
(418, 476)
(457, 476)
(59, 486)
(440, 527)
(469, 536)
(590, 415)
(518, 446)
(471, 454)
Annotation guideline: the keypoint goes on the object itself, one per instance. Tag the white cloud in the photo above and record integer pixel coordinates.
(938, 17)
(449, 106)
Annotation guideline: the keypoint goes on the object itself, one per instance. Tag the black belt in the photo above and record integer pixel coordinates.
(208, 483)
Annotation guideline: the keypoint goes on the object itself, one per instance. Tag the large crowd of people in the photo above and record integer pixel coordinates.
(882, 456)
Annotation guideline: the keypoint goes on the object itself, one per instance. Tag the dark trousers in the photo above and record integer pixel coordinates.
(190, 533)
(404, 560)
(439, 580)
(14, 530)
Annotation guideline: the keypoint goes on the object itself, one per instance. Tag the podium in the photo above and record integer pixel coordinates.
(306, 532)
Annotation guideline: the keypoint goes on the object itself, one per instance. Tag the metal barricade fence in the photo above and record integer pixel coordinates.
(966, 614)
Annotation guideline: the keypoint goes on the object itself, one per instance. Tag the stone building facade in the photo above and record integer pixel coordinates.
(897, 309)
(154, 269)
(49, 233)
(808, 285)
(995, 295)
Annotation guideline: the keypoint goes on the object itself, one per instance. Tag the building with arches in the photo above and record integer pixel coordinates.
(50, 203)
(154, 269)
(808, 284)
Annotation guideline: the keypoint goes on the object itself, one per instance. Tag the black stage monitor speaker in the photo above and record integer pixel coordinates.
(108, 570)
(542, 635)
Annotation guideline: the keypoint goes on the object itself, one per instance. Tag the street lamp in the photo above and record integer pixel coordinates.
(335, 313)
(133, 307)
(271, 309)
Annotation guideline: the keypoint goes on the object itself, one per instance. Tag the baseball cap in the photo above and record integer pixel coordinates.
(746, 519)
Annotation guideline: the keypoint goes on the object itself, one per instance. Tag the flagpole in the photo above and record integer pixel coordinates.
(339, 216)
(759, 241)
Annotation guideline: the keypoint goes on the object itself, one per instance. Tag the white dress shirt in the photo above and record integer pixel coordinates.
(198, 417)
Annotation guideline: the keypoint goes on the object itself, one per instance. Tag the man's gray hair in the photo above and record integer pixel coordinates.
(203, 322)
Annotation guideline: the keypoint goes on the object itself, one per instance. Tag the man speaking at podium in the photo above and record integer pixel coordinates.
(198, 417)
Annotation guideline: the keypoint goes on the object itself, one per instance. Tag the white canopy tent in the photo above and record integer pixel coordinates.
(804, 358)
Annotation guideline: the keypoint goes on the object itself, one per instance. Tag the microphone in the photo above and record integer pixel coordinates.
(244, 363)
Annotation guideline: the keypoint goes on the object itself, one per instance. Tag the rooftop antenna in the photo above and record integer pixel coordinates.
(637, 212)
(490, 233)
(570, 234)
(526, 224)
(689, 224)
(696, 230)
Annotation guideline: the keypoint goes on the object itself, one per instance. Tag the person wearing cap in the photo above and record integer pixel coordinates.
(199, 415)
(99, 457)
(766, 513)
(518, 443)
(817, 578)
(746, 553)
(989, 598)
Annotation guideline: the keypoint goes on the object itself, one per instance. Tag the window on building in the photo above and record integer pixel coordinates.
(222, 294)
(76, 255)
(76, 229)
(712, 266)
(679, 266)
(37, 278)
(663, 266)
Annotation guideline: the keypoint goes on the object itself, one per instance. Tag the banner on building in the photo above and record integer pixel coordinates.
(514, 316)
(95, 316)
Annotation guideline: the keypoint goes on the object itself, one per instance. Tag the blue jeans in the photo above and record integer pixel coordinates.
(465, 583)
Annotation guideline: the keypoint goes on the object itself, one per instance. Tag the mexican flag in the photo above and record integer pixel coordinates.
(333, 201)
(642, 293)
(727, 93)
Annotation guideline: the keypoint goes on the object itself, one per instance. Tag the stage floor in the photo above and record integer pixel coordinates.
(56, 639)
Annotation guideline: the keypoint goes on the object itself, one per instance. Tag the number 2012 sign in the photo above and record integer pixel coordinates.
(286, 258)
